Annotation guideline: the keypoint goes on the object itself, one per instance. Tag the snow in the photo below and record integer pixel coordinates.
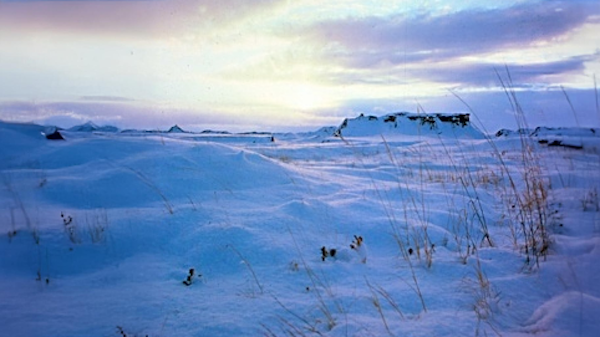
(98, 233)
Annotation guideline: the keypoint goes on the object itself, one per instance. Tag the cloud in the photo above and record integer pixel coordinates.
(454, 49)
(475, 73)
(106, 99)
(480, 74)
(151, 18)
(401, 39)
(233, 60)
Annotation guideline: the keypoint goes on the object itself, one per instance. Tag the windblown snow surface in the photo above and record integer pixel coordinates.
(99, 231)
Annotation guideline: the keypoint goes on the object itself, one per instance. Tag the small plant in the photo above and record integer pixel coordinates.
(356, 246)
(148, 182)
(194, 207)
(356, 243)
(70, 228)
(36, 235)
(250, 269)
(377, 291)
(359, 248)
(121, 332)
(66, 219)
(190, 278)
(6, 179)
(325, 253)
(590, 201)
(39, 276)
(323, 317)
(11, 234)
(97, 226)
(285, 159)
(486, 298)
(96, 233)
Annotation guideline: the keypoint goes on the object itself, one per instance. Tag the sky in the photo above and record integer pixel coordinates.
(283, 65)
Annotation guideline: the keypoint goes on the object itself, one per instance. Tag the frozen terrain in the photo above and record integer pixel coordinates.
(463, 234)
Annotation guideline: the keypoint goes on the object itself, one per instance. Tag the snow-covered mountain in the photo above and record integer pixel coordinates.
(406, 123)
(510, 132)
(92, 127)
(215, 132)
(176, 129)
(568, 137)
(565, 132)
(542, 131)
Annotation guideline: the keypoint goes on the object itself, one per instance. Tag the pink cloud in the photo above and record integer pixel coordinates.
(135, 18)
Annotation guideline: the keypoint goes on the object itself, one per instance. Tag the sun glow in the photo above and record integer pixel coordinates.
(304, 96)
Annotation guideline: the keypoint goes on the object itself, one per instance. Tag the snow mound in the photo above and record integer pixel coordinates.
(405, 123)
(556, 316)
(20, 137)
(145, 178)
(325, 131)
(320, 135)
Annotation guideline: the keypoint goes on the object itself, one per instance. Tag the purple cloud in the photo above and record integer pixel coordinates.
(484, 74)
(371, 42)
(473, 74)
(127, 18)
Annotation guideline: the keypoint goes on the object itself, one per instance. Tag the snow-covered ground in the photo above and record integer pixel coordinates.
(461, 234)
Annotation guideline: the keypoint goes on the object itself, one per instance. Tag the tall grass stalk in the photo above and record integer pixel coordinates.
(249, 266)
(153, 186)
(378, 307)
(472, 194)
(530, 206)
(396, 233)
